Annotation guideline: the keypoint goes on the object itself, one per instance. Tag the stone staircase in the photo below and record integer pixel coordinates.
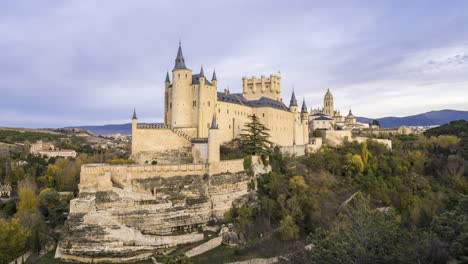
(176, 131)
(181, 133)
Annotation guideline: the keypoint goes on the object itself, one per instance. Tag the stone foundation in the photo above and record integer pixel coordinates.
(126, 213)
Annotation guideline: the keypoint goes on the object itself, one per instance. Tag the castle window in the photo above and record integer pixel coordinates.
(263, 114)
(194, 103)
(227, 111)
(170, 105)
(178, 75)
(208, 103)
(219, 110)
(185, 75)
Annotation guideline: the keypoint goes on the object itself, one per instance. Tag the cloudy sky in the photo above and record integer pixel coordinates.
(80, 62)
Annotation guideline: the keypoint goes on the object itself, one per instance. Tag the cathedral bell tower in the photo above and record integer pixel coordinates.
(328, 107)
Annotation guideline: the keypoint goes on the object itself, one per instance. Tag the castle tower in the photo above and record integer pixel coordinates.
(305, 123)
(255, 88)
(134, 127)
(293, 103)
(213, 142)
(167, 84)
(180, 103)
(328, 107)
(214, 80)
(304, 112)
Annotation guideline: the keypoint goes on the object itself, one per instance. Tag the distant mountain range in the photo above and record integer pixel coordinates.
(426, 119)
(125, 129)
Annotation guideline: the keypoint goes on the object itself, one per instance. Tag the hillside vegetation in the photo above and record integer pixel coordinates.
(362, 203)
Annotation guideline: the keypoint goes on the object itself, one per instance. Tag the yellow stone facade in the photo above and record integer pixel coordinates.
(191, 102)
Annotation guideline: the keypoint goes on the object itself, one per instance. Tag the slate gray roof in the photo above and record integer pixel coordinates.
(262, 102)
(134, 114)
(323, 118)
(201, 72)
(304, 107)
(196, 77)
(179, 61)
(293, 101)
(214, 76)
(167, 78)
(213, 123)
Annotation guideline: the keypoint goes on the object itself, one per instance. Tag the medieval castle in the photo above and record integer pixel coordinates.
(195, 112)
(181, 187)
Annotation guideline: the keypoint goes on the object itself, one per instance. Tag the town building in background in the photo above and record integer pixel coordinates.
(41, 148)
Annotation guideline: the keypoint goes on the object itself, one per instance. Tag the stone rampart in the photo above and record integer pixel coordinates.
(335, 138)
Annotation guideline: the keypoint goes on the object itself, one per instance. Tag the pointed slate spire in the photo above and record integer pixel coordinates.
(134, 114)
(167, 77)
(213, 123)
(293, 101)
(179, 61)
(202, 74)
(214, 75)
(304, 107)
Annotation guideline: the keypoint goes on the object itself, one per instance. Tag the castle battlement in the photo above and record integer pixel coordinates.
(152, 126)
(102, 177)
(254, 88)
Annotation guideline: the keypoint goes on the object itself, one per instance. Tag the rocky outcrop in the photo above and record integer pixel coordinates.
(131, 218)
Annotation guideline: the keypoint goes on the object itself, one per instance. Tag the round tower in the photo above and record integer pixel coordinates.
(134, 128)
(293, 103)
(180, 104)
(304, 112)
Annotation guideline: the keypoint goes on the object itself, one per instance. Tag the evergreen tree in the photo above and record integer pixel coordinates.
(254, 140)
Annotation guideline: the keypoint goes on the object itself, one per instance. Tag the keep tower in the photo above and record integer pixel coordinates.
(179, 112)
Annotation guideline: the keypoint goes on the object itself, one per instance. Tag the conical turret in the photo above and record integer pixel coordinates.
(304, 107)
(293, 101)
(213, 123)
(179, 61)
(202, 74)
(134, 114)
(167, 78)
(214, 76)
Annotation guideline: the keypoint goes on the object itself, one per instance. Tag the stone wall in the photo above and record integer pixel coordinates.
(297, 150)
(335, 138)
(160, 144)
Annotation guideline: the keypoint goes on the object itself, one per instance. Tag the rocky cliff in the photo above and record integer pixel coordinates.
(126, 213)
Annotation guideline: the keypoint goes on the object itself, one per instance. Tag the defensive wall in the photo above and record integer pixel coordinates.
(100, 177)
(335, 138)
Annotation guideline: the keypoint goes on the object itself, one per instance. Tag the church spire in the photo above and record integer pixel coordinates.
(179, 61)
(293, 101)
(134, 114)
(214, 76)
(304, 107)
